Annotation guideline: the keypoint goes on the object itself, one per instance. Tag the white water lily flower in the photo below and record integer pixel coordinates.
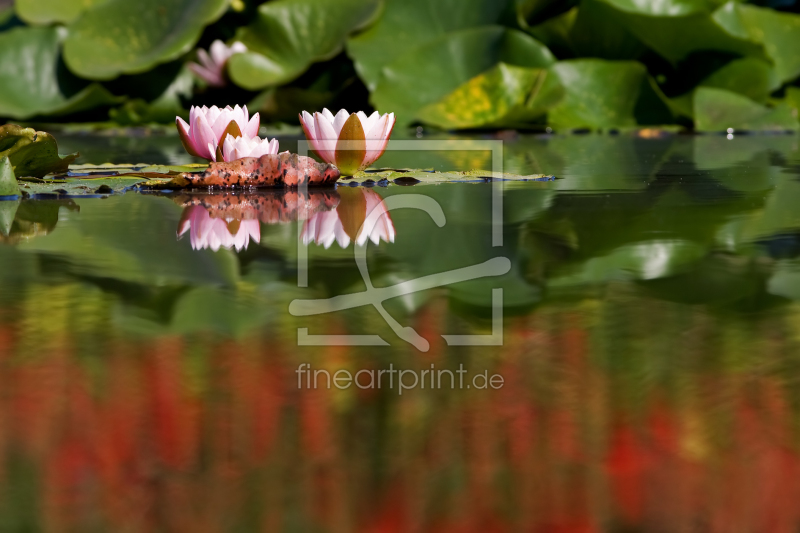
(239, 147)
(212, 63)
(201, 136)
(369, 136)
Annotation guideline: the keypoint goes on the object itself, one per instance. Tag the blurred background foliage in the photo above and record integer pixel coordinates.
(452, 64)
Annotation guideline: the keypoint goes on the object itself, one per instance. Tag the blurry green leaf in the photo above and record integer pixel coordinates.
(528, 10)
(793, 99)
(49, 11)
(31, 152)
(664, 8)
(750, 77)
(682, 28)
(555, 33)
(408, 25)
(601, 94)
(29, 82)
(599, 31)
(283, 104)
(778, 32)
(289, 35)
(504, 96)
(8, 183)
(163, 109)
(408, 84)
(120, 36)
(718, 110)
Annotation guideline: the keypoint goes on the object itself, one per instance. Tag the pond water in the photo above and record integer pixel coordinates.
(615, 350)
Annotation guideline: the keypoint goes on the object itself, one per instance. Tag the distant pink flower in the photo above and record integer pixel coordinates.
(353, 217)
(368, 136)
(212, 66)
(202, 135)
(239, 147)
(215, 233)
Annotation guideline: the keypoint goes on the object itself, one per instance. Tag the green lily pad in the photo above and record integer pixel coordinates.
(122, 37)
(778, 32)
(505, 96)
(81, 186)
(408, 25)
(413, 176)
(749, 76)
(8, 183)
(287, 36)
(31, 152)
(605, 94)
(451, 60)
(29, 83)
(681, 28)
(49, 11)
(718, 110)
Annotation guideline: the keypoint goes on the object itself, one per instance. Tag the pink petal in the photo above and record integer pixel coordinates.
(375, 140)
(326, 138)
(339, 120)
(251, 130)
(203, 136)
(327, 114)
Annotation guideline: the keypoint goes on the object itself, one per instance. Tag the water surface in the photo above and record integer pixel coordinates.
(649, 351)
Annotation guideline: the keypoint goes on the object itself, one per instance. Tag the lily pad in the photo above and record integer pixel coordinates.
(287, 36)
(31, 152)
(718, 110)
(122, 37)
(778, 32)
(401, 30)
(605, 94)
(681, 28)
(50, 11)
(29, 82)
(414, 176)
(505, 96)
(451, 60)
(8, 183)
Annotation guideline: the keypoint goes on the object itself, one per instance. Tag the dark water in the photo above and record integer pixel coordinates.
(641, 373)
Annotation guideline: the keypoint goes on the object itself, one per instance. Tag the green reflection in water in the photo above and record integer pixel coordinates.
(649, 358)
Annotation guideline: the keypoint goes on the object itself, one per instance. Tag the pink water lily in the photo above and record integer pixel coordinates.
(329, 136)
(208, 127)
(206, 231)
(212, 63)
(239, 147)
(360, 215)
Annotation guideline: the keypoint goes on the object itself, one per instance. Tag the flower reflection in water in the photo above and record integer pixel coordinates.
(349, 221)
(231, 220)
(206, 231)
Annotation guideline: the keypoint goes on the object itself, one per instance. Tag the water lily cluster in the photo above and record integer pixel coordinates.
(223, 134)
(350, 141)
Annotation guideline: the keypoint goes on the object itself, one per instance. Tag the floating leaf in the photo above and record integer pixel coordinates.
(31, 152)
(49, 11)
(427, 176)
(778, 32)
(605, 94)
(288, 36)
(29, 81)
(451, 60)
(681, 28)
(718, 110)
(8, 183)
(401, 30)
(122, 37)
(749, 76)
(505, 96)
